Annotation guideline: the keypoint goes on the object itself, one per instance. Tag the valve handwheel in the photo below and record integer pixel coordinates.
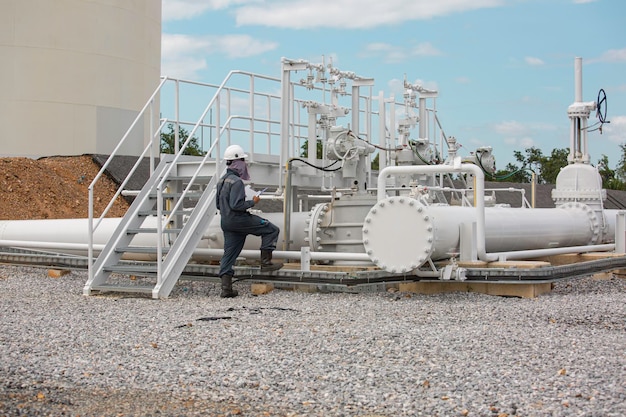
(601, 100)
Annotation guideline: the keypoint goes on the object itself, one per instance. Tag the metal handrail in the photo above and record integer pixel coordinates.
(91, 229)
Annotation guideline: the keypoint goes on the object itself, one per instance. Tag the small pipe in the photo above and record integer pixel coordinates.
(537, 253)
(247, 253)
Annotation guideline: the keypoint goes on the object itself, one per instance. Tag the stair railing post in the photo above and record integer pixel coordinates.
(159, 234)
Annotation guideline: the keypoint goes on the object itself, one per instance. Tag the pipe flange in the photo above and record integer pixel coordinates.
(594, 222)
(318, 218)
(398, 234)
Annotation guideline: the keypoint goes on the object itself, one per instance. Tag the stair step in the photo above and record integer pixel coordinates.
(192, 194)
(150, 230)
(140, 249)
(132, 269)
(144, 289)
(199, 179)
(145, 213)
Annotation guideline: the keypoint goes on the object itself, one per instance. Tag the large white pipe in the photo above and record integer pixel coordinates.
(70, 236)
(479, 199)
(512, 233)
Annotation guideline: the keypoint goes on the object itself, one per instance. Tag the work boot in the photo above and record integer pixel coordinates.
(227, 287)
(266, 262)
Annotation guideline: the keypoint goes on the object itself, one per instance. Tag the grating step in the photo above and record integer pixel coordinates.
(173, 195)
(144, 213)
(140, 249)
(150, 230)
(144, 289)
(132, 269)
(199, 179)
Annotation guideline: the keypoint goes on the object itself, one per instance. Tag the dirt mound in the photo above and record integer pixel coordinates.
(54, 188)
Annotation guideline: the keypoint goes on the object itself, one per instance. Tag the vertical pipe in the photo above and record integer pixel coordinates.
(355, 109)
(392, 121)
(284, 118)
(578, 79)
(287, 206)
(382, 134)
(533, 190)
(423, 121)
(312, 139)
(572, 140)
(620, 232)
(177, 117)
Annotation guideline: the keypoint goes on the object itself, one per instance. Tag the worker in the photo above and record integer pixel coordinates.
(237, 222)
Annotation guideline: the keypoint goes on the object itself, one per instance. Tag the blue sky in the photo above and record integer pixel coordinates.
(504, 69)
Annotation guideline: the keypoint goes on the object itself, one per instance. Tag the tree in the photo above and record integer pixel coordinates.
(551, 166)
(546, 168)
(376, 162)
(304, 149)
(168, 140)
(620, 170)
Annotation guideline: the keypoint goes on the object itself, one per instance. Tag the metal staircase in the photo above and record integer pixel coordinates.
(166, 220)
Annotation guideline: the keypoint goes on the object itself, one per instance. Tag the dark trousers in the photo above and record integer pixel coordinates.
(235, 232)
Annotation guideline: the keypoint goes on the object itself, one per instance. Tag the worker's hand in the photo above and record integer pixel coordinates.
(256, 199)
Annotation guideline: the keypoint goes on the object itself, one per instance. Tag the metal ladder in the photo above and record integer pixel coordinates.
(174, 238)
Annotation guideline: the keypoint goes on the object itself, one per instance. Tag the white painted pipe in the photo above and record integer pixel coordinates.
(479, 199)
(514, 233)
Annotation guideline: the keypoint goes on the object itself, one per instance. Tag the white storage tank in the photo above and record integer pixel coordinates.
(75, 74)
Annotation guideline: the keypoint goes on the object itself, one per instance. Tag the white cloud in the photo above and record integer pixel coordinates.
(584, 1)
(616, 130)
(612, 55)
(535, 62)
(516, 134)
(185, 9)
(393, 54)
(350, 14)
(511, 128)
(182, 56)
(526, 142)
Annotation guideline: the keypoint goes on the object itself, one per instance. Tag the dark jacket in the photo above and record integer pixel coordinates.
(231, 198)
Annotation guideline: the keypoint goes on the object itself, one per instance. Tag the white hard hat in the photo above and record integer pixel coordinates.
(234, 152)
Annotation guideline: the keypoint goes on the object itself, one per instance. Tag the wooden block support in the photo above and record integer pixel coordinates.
(601, 276)
(572, 258)
(525, 290)
(57, 273)
(260, 289)
(518, 264)
(619, 273)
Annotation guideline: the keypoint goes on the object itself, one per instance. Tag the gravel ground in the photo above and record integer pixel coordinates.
(301, 354)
